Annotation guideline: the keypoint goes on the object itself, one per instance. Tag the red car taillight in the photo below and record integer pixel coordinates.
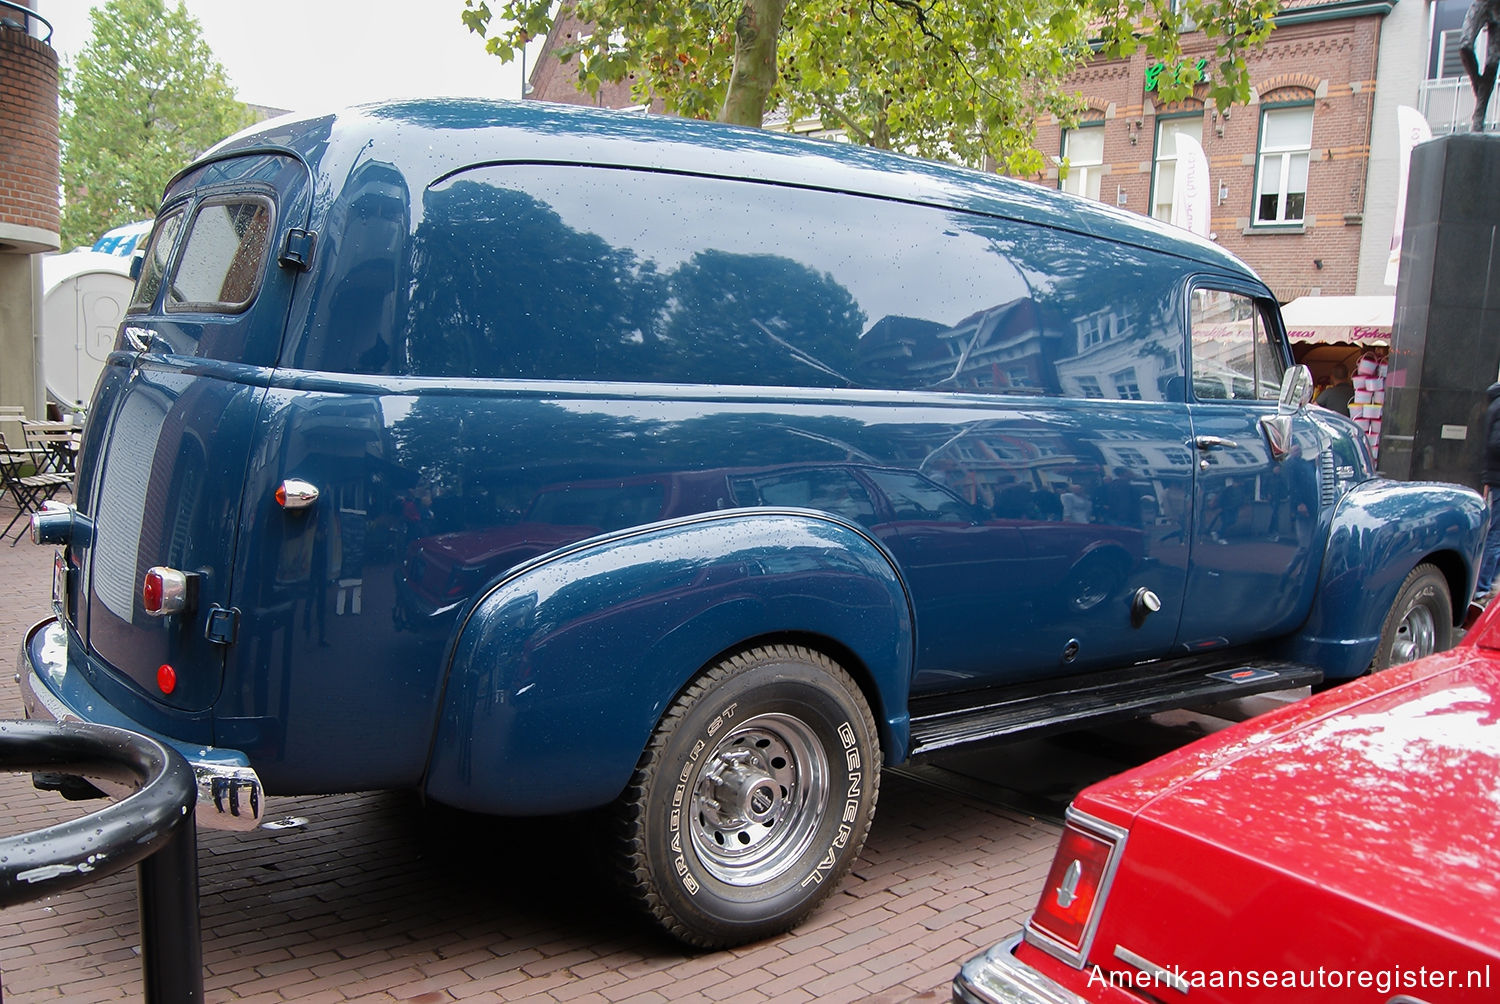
(1065, 918)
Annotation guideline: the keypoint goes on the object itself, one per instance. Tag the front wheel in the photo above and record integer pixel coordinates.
(753, 797)
(1420, 621)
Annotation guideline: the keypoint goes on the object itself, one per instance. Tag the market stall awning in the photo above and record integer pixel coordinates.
(1360, 320)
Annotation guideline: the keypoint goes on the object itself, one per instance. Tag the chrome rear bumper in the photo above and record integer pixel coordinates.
(230, 794)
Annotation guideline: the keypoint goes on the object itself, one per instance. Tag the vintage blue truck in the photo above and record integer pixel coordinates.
(545, 459)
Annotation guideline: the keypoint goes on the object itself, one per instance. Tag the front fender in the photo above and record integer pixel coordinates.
(1379, 532)
(561, 671)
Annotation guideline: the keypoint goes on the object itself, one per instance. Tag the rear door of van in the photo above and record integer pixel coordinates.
(172, 429)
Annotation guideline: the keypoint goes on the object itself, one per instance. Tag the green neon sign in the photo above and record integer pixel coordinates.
(1175, 74)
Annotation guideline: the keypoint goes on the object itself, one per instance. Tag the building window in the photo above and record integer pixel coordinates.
(1447, 26)
(1084, 150)
(1164, 174)
(1285, 147)
(1126, 384)
(1089, 386)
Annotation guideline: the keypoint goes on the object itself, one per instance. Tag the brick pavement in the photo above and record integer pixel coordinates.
(378, 898)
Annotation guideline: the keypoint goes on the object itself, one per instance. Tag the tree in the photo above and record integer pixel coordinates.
(144, 97)
(958, 79)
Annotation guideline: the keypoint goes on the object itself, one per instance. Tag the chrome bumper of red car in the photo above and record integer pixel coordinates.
(998, 977)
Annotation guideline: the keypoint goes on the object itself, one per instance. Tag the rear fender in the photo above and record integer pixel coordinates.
(1380, 531)
(560, 672)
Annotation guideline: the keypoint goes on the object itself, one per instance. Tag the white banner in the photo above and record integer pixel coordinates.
(1412, 129)
(1190, 187)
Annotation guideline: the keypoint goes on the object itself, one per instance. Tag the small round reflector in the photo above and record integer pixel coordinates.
(166, 678)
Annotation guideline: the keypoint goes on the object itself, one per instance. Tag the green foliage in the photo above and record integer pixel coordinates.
(961, 80)
(144, 97)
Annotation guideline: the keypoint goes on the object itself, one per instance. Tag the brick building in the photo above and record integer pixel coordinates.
(553, 80)
(29, 214)
(1287, 172)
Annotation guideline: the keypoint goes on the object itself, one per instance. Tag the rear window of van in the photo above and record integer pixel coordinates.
(223, 256)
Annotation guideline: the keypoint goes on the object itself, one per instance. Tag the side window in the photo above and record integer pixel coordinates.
(223, 256)
(831, 490)
(154, 266)
(1233, 358)
(1164, 173)
(1285, 149)
(913, 497)
(1084, 149)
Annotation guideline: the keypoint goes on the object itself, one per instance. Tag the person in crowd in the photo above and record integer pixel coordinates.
(1337, 395)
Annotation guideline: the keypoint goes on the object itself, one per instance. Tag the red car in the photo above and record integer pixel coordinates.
(1341, 849)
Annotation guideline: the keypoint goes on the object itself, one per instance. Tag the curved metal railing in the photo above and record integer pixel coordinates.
(27, 16)
(153, 828)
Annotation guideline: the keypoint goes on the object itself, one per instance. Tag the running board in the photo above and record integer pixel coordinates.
(1060, 704)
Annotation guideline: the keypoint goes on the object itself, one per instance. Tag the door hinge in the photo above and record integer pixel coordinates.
(298, 251)
(223, 625)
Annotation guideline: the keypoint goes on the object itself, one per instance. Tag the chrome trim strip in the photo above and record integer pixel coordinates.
(1039, 938)
(1159, 974)
(998, 977)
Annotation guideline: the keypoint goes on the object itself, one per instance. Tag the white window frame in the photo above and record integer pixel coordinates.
(1084, 176)
(1275, 166)
(1162, 180)
(1127, 384)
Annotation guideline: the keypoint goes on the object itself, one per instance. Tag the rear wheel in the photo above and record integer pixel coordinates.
(1420, 621)
(753, 797)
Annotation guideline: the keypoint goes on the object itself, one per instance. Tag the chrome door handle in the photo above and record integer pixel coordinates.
(1214, 443)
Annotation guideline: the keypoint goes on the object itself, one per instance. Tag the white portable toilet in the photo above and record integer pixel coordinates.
(84, 297)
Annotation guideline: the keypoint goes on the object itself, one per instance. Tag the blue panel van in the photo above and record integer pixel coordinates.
(544, 459)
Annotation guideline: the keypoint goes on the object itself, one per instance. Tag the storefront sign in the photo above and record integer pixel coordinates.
(1175, 73)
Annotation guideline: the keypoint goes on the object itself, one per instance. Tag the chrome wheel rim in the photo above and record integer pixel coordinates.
(757, 799)
(1416, 636)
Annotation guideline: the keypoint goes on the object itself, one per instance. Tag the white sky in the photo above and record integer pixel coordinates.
(311, 55)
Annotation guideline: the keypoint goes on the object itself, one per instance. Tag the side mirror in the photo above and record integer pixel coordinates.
(137, 260)
(1296, 390)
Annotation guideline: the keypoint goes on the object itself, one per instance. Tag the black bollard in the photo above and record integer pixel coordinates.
(152, 827)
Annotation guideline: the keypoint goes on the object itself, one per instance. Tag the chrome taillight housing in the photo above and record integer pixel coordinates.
(1067, 915)
(166, 591)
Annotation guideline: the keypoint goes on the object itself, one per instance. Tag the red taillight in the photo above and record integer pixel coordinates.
(166, 591)
(166, 678)
(1068, 911)
(151, 592)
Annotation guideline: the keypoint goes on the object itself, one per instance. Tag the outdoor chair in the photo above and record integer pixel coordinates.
(56, 444)
(29, 490)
